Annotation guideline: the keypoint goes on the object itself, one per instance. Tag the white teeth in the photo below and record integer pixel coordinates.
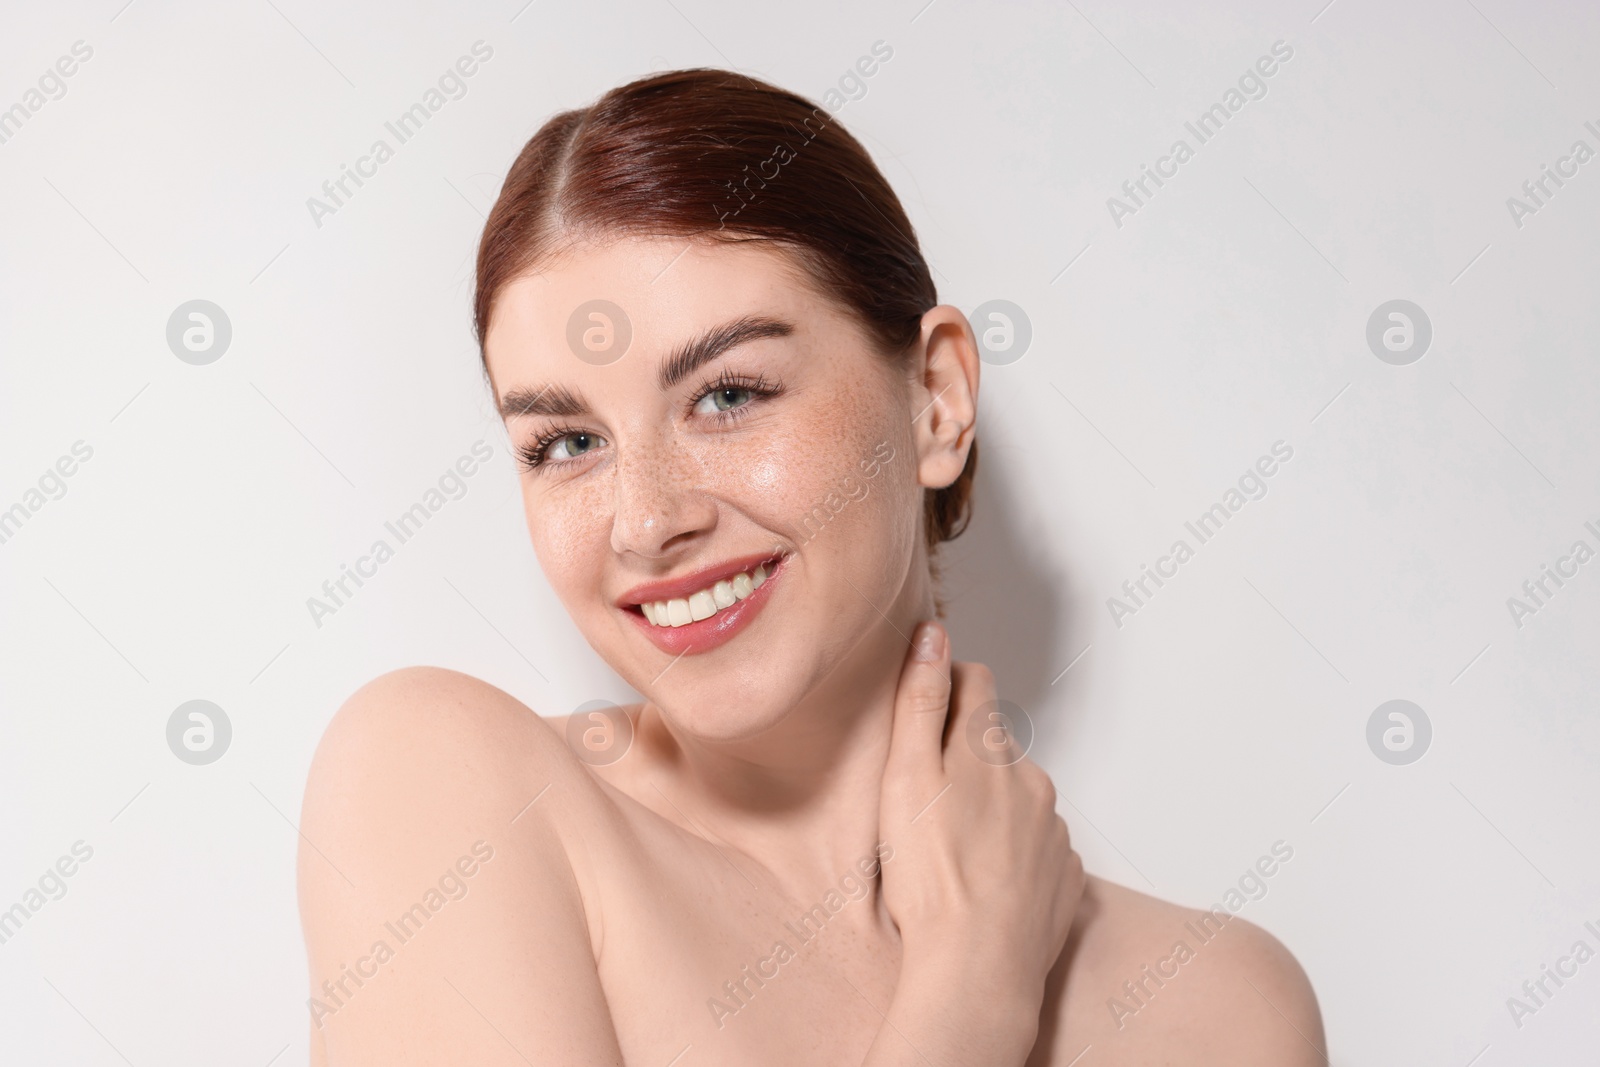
(707, 602)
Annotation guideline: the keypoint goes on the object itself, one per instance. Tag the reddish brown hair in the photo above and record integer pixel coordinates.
(717, 155)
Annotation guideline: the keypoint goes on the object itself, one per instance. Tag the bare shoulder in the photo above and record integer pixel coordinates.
(417, 757)
(405, 711)
(1146, 981)
(427, 746)
(436, 838)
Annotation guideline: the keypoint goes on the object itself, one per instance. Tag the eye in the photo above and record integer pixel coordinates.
(573, 445)
(729, 394)
(558, 445)
(724, 398)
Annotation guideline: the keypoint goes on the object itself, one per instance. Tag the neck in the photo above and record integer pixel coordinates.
(801, 799)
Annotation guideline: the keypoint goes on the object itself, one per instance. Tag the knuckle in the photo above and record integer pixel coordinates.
(925, 686)
(927, 700)
(979, 671)
(1037, 782)
(977, 676)
(1045, 798)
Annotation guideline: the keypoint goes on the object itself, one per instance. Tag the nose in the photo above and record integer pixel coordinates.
(660, 503)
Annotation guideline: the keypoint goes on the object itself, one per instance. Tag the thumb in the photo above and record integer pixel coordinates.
(921, 705)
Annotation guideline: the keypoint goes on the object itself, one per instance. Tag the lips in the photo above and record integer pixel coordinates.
(703, 610)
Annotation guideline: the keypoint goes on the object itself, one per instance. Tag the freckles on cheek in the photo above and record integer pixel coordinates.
(818, 456)
(765, 475)
(565, 533)
(779, 480)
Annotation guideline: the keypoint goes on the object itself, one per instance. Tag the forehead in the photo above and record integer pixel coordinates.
(661, 290)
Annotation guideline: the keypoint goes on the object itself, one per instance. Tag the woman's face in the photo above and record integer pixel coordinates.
(749, 421)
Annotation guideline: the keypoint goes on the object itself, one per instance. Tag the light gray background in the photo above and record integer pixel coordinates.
(1228, 313)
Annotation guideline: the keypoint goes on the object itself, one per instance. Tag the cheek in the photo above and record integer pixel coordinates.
(568, 536)
(765, 474)
(888, 498)
(890, 502)
(823, 468)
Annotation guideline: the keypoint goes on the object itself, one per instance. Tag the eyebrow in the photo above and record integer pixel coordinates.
(554, 400)
(560, 402)
(714, 342)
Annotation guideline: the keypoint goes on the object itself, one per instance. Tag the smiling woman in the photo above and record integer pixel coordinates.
(801, 708)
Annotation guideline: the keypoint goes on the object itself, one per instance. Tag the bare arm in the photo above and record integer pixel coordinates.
(426, 775)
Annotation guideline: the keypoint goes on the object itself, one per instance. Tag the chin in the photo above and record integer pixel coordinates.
(737, 692)
(718, 714)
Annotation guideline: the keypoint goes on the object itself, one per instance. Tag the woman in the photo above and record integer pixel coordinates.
(745, 425)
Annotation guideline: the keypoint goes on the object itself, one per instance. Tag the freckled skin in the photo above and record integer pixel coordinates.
(624, 899)
(669, 491)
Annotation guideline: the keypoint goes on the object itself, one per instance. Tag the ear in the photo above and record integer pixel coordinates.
(944, 395)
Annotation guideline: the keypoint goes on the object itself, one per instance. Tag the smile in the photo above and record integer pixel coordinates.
(703, 610)
(707, 602)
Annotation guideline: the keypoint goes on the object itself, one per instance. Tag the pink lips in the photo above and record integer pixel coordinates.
(707, 634)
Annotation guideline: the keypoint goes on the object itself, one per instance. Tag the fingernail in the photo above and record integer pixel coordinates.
(930, 642)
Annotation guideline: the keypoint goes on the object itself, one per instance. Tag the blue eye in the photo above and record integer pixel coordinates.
(573, 445)
(725, 398)
(558, 446)
(728, 394)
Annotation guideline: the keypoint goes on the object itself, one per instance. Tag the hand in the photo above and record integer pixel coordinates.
(983, 880)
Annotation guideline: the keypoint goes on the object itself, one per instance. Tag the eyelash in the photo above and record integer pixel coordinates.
(534, 454)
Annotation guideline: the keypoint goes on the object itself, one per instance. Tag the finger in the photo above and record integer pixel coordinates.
(973, 693)
(921, 704)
